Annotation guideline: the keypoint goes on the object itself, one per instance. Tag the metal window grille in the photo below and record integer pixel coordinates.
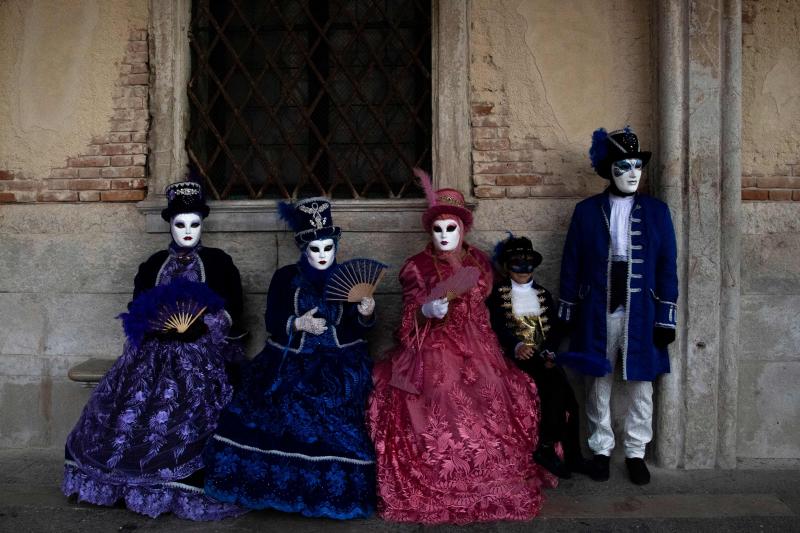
(293, 98)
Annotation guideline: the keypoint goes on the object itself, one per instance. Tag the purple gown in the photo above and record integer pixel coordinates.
(141, 435)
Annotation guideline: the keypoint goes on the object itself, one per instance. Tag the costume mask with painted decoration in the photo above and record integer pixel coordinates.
(626, 175)
(616, 157)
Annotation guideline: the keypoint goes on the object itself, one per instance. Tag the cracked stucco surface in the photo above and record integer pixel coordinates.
(60, 60)
(562, 69)
(771, 87)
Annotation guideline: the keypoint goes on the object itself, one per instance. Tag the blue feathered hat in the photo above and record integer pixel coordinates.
(608, 148)
(310, 219)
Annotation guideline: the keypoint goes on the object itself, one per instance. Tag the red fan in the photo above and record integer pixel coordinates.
(460, 282)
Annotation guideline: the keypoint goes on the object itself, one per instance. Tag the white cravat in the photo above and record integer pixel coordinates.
(525, 299)
(620, 214)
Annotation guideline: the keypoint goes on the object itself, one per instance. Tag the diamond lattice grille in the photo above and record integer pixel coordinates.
(293, 98)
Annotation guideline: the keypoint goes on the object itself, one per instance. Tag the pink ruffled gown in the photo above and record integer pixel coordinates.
(454, 423)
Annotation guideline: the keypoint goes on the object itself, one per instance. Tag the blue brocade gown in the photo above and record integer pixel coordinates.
(294, 437)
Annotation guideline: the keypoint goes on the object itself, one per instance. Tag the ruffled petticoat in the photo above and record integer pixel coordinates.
(143, 430)
(183, 500)
(294, 437)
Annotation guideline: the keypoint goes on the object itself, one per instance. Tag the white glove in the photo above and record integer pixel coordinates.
(307, 322)
(435, 308)
(367, 306)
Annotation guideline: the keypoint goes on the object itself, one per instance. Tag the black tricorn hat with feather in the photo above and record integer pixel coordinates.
(608, 148)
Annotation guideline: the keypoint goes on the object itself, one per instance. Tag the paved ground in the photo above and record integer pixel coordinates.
(705, 501)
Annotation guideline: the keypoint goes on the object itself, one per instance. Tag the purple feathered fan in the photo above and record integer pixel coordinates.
(172, 307)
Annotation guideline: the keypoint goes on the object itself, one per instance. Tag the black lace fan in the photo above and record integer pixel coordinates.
(354, 279)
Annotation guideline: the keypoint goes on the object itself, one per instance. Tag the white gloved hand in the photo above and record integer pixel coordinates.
(435, 308)
(307, 322)
(367, 306)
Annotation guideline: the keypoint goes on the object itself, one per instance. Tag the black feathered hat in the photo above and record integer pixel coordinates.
(185, 197)
(516, 254)
(310, 219)
(608, 148)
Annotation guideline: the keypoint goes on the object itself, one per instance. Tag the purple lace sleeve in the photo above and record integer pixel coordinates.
(218, 325)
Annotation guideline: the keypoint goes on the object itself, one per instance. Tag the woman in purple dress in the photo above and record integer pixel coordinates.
(141, 435)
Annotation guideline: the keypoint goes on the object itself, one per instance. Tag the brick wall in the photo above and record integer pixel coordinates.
(776, 188)
(112, 168)
(500, 168)
(504, 168)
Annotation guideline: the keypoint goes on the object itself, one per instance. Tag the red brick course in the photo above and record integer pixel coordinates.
(503, 167)
(112, 167)
(506, 167)
(122, 196)
(772, 188)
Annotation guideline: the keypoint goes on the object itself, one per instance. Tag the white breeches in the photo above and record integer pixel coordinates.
(638, 396)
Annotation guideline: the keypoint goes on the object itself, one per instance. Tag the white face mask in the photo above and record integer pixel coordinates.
(320, 254)
(626, 175)
(186, 229)
(446, 234)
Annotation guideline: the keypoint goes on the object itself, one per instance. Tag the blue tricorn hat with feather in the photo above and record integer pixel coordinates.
(310, 219)
(608, 148)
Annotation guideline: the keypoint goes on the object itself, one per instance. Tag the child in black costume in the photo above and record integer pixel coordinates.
(525, 320)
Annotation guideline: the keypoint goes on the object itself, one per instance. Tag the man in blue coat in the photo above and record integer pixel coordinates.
(619, 289)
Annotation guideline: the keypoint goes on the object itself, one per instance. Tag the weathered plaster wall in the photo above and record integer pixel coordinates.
(771, 100)
(60, 62)
(64, 277)
(543, 76)
(769, 365)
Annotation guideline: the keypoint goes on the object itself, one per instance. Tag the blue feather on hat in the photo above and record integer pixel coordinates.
(499, 247)
(599, 150)
(287, 213)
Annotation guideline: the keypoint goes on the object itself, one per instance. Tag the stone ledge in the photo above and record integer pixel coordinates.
(262, 215)
(90, 371)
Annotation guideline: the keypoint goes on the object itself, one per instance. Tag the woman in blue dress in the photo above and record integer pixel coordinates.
(294, 437)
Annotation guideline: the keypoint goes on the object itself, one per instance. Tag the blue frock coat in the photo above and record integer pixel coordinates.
(652, 283)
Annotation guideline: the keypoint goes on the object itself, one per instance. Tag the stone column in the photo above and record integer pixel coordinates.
(668, 184)
(170, 68)
(452, 144)
(699, 166)
(731, 208)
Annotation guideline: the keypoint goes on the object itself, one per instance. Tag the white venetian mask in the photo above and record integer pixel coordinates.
(626, 175)
(446, 234)
(186, 229)
(320, 253)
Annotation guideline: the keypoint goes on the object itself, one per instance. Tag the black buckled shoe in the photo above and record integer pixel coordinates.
(546, 457)
(600, 466)
(637, 471)
(587, 467)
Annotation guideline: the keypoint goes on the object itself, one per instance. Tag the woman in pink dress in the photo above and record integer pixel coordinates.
(454, 424)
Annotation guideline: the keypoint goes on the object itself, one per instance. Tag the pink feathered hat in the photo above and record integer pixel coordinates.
(442, 202)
